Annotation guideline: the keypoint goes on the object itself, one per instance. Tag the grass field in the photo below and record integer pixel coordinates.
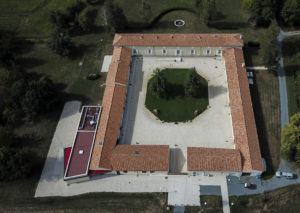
(213, 205)
(266, 105)
(291, 60)
(286, 199)
(177, 107)
(30, 19)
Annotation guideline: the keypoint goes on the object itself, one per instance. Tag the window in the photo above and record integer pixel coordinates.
(149, 51)
(151, 171)
(219, 52)
(164, 52)
(178, 52)
(125, 171)
(208, 52)
(134, 51)
(193, 52)
(143, 171)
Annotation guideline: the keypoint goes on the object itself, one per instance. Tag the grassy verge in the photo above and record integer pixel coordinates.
(177, 107)
(266, 105)
(286, 199)
(213, 205)
(94, 202)
(291, 60)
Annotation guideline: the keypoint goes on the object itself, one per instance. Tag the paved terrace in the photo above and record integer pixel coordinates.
(211, 129)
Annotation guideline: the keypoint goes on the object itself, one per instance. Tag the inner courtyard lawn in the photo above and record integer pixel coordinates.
(178, 107)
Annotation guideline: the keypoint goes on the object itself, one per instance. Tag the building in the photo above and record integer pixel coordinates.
(108, 156)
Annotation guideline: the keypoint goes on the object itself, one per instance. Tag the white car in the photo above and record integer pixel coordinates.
(288, 175)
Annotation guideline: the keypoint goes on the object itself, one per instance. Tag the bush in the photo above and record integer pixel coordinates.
(93, 76)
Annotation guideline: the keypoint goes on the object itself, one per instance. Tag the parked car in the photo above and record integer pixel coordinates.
(288, 175)
(250, 186)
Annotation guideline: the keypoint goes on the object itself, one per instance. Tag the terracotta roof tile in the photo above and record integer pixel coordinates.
(140, 158)
(244, 127)
(212, 159)
(191, 40)
(112, 109)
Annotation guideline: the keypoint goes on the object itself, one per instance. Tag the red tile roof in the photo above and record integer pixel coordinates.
(247, 154)
(243, 121)
(189, 40)
(112, 109)
(211, 159)
(140, 158)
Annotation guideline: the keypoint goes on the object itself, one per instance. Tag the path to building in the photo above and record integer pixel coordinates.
(282, 80)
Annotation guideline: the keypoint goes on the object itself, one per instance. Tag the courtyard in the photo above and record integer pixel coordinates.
(211, 129)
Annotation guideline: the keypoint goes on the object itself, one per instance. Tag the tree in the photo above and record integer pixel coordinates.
(193, 86)
(15, 164)
(146, 11)
(86, 19)
(60, 42)
(40, 96)
(262, 11)
(290, 140)
(59, 20)
(291, 12)
(159, 85)
(115, 17)
(208, 11)
(269, 49)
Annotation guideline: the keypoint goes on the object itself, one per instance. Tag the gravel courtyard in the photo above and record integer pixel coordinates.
(212, 129)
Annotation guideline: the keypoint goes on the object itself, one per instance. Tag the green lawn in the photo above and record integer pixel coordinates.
(291, 60)
(286, 199)
(177, 107)
(30, 19)
(213, 205)
(266, 105)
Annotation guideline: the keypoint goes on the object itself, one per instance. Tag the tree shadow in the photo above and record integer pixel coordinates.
(224, 25)
(175, 90)
(290, 47)
(214, 91)
(30, 62)
(78, 51)
(249, 52)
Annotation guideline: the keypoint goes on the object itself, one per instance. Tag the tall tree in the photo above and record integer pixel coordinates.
(262, 11)
(208, 11)
(269, 49)
(290, 139)
(60, 42)
(291, 12)
(159, 85)
(116, 19)
(193, 86)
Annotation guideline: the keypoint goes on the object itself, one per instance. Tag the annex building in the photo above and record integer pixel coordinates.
(122, 137)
